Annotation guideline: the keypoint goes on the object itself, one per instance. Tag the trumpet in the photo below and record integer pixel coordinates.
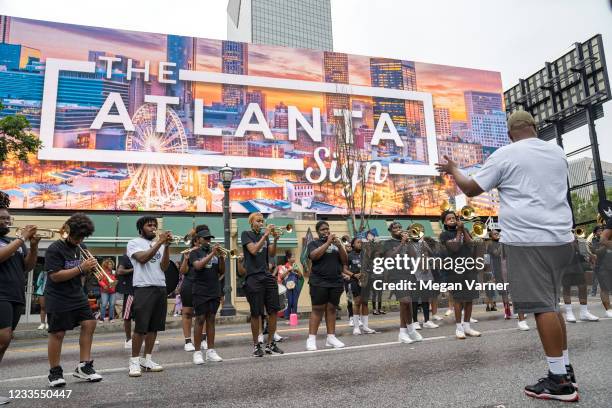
(282, 230)
(580, 232)
(231, 253)
(176, 239)
(416, 231)
(467, 213)
(47, 233)
(98, 270)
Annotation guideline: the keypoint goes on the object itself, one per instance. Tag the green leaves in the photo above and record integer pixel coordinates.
(16, 139)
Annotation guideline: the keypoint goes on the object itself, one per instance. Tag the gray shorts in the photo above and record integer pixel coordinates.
(535, 275)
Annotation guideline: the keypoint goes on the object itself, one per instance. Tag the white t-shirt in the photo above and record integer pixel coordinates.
(149, 274)
(531, 177)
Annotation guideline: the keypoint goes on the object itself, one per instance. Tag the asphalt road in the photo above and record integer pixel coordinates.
(372, 371)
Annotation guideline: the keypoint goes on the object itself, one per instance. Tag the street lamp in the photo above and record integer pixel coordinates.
(227, 174)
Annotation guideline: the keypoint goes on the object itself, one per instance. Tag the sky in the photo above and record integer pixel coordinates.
(514, 37)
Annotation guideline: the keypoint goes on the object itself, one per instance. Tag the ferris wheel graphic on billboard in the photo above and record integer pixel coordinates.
(155, 186)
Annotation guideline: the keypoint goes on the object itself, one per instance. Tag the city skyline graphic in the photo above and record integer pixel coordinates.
(468, 112)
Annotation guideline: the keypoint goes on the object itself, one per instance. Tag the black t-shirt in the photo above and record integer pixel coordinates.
(67, 295)
(465, 250)
(354, 261)
(13, 274)
(124, 282)
(188, 276)
(327, 270)
(205, 280)
(255, 263)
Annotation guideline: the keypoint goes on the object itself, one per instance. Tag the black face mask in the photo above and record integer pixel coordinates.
(450, 227)
(4, 231)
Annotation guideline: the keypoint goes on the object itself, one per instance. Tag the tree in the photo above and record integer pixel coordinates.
(585, 210)
(15, 138)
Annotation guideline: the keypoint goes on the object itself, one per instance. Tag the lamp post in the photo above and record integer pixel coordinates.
(227, 174)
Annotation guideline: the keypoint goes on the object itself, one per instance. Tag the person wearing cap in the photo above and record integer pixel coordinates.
(206, 264)
(531, 175)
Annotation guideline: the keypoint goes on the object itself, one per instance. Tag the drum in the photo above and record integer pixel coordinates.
(282, 297)
(172, 277)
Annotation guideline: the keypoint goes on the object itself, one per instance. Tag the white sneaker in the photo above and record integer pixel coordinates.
(460, 334)
(135, 370)
(157, 342)
(260, 338)
(430, 325)
(471, 332)
(416, 325)
(150, 365)
(128, 344)
(415, 336)
(332, 341)
(437, 318)
(351, 324)
(609, 313)
(472, 320)
(189, 347)
(404, 338)
(356, 331)
(311, 344)
(367, 330)
(569, 317)
(198, 359)
(211, 355)
(85, 371)
(588, 317)
(41, 326)
(522, 325)
(204, 345)
(46, 326)
(448, 312)
(278, 338)
(360, 323)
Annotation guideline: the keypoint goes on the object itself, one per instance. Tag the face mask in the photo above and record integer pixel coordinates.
(450, 227)
(4, 231)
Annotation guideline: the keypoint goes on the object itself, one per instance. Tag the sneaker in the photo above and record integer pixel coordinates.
(157, 342)
(415, 336)
(351, 324)
(332, 341)
(189, 347)
(46, 326)
(260, 338)
(488, 309)
(471, 332)
(278, 338)
(360, 323)
(588, 317)
(311, 344)
(272, 348)
(56, 377)
(204, 345)
(128, 344)
(375, 313)
(367, 330)
(472, 320)
(522, 325)
(356, 331)
(41, 327)
(460, 334)
(85, 371)
(557, 387)
(437, 318)
(430, 325)
(416, 325)
(572, 376)
(198, 359)
(211, 355)
(494, 308)
(150, 365)
(404, 338)
(258, 350)
(569, 317)
(4, 400)
(135, 370)
(448, 313)
(382, 312)
(609, 313)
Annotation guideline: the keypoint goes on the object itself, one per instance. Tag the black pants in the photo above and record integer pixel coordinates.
(415, 307)
(376, 297)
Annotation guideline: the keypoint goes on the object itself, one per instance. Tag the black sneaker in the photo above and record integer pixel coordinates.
(56, 377)
(85, 371)
(572, 376)
(257, 350)
(557, 387)
(272, 348)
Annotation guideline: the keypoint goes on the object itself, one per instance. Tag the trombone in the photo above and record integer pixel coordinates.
(47, 233)
(580, 232)
(98, 270)
(416, 231)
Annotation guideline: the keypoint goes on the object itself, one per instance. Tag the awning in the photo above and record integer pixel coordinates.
(105, 234)
(215, 225)
(127, 229)
(287, 240)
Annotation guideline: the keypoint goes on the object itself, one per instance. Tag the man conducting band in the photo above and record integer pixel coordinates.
(15, 262)
(150, 258)
(536, 223)
(260, 285)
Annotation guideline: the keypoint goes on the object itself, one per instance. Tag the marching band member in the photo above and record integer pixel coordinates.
(328, 257)
(67, 305)
(206, 265)
(260, 285)
(125, 272)
(422, 249)
(398, 245)
(602, 268)
(15, 262)
(536, 221)
(360, 308)
(150, 258)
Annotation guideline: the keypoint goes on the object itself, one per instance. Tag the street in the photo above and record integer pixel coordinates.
(373, 370)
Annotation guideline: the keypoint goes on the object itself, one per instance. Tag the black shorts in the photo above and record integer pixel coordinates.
(10, 313)
(128, 310)
(262, 293)
(205, 306)
(322, 296)
(63, 321)
(150, 308)
(187, 293)
(354, 287)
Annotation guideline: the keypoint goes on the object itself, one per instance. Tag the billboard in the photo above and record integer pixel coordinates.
(143, 121)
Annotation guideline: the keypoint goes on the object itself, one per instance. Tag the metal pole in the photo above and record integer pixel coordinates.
(228, 308)
(559, 139)
(601, 189)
